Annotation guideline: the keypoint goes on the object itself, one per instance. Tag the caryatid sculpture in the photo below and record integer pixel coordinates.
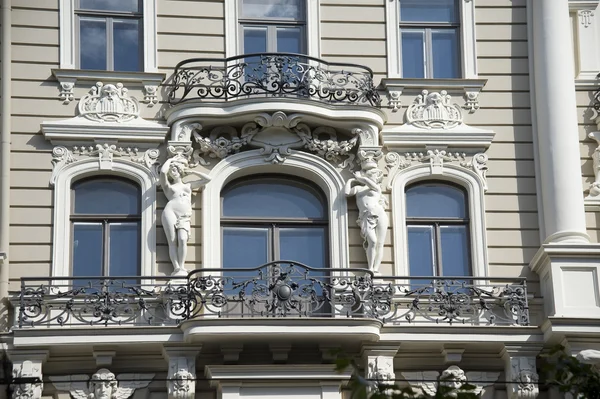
(102, 385)
(176, 217)
(372, 218)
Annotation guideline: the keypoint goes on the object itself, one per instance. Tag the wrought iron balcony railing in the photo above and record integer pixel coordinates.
(272, 75)
(274, 290)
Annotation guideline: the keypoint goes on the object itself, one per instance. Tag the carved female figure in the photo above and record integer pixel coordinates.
(372, 219)
(176, 217)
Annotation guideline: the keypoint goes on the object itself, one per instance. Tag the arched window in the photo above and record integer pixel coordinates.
(105, 222)
(266, 218)
(437, 223)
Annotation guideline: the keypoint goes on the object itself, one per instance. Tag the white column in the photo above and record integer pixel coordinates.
(557, 132)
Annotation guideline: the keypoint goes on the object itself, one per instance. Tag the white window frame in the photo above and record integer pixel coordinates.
(69, 36)
(468, 59)
(61, 253)
(233, 32)
(303, 165)
(475, 194)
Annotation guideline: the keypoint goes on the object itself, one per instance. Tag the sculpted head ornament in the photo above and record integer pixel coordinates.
(103, 385)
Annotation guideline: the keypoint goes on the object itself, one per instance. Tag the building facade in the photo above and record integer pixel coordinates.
(209, 199)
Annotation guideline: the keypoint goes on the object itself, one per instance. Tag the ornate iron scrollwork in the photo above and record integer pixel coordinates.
(273, 75)
(274, 290)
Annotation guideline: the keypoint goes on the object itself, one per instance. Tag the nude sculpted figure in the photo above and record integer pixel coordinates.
(372, 219)
(176, 217)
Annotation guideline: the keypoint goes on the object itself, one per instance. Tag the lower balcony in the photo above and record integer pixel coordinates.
(277, 290)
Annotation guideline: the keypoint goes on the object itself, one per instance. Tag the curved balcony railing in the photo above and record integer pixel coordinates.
(272, 75)
(274, 290)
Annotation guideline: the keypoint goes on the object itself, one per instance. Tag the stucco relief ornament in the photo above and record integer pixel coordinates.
(453, 377)
(276, 135)
(102, 385)
(108, 103)
(524, 378)
(436, 158)
(433, 111)
(177, 214)
(28, 390)
(381, 369)
(182, 379)
(62, 156)
(372, 218)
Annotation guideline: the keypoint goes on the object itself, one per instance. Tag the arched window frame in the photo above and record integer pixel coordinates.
(61, 256)
(303, 165)
(474, 187)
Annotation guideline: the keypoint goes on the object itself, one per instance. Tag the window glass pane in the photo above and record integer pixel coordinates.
(124, 249)
(87, 249)
(245, 247)
(420, 251)
(255, 39)
(92, 43)
(276, 199)
(445, 53)
(289, 9)
(303, 244)
(111, 5)
(413, 57)
(455, 251)
(435, 200)
(114, 197)
(289, 40)
(126, 34)
(428, 11)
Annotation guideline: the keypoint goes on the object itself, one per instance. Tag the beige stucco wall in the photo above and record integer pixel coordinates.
(196, 29)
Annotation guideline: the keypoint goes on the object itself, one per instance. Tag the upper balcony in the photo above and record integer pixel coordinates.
(234, 91)
(217, 303)
(272, 75)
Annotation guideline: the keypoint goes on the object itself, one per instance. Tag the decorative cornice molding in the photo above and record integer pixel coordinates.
(62, 157)
(436, 158)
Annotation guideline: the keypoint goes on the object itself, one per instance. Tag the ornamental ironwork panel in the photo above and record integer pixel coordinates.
(272, 75)
(274, 290)
(89, 301)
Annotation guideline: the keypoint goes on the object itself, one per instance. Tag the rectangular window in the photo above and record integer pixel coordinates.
(110, 35)
(429, 38)
(273, 26)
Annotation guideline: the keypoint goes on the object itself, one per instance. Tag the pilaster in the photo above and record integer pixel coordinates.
(27, 366)
(521, 372)
(378, 362)
(181, 381)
